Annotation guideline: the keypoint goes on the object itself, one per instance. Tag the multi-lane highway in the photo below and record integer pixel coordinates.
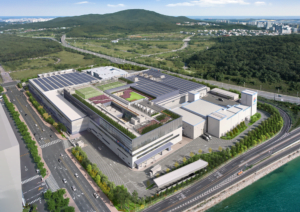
(227, 174)
(53, 149)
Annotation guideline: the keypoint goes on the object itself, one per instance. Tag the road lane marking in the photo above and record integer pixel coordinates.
(79, 185)
(24, 154)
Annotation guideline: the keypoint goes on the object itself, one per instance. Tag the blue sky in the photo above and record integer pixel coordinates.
(167, 7)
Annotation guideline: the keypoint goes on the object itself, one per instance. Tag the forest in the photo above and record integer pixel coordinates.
(13, 47)
(268, 59)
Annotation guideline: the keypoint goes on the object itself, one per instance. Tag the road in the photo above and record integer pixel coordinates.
(227, 174)
(52, 148)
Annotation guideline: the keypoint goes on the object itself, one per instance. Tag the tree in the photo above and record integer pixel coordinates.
(209, 149)
(167, 170)
(192, 154)
(98, 179)
(121, 195)
(48, 194)
(220, 148)
(183, 159)
(51, 205)
(200, 151)
(135, 196)
(89, 168)
(148, 183)
(176, 164)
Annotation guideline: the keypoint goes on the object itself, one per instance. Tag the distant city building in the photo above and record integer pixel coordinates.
(261, 24)
(115, 41)
(269, 25)
(286, 30)
(10, 184)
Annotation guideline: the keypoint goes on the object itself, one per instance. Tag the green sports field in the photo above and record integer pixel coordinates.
(88, 92)
(110, 85)
(135, 96)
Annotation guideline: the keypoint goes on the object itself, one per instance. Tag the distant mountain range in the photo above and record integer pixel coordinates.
(135, 20)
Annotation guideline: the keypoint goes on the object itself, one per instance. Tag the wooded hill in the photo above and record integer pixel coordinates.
(126, 21)
(14, 48)
(269, 59)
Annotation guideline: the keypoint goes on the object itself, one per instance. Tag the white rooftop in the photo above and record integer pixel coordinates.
(180, 173)
(202, 107)
(225, 93)
(64, 106)
(249, 92)
(188, 117)
(106, 72)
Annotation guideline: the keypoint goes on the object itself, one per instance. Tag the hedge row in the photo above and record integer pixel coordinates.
(58, 126)
(31, 145)
(1, 89)
(107, 118)
(170, 113)
(151, 127)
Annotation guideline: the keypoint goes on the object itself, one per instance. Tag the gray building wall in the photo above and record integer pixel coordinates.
(10, 177)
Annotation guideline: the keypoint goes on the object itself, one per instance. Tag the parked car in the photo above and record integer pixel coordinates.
(204, 137)
(220, 99)
(37, 171)
(96, 195)
(207, 135)
(64, 180)
(59, 160)
(73, 188)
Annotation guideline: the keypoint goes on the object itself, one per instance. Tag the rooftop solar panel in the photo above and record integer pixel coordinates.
(64, 80)
(46, 84)
(54, 81)
(40, 84)
(50, 83)
(60, 81)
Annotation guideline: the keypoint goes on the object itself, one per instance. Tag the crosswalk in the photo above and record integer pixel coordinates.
(66, 144)
(50, 143)
(52, 184)
(30, 179)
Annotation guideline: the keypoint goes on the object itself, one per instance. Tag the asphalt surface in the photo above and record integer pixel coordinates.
(227, 174)
(5, 76)
(52, 149)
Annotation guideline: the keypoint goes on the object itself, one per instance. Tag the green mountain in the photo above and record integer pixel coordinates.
(126, 21)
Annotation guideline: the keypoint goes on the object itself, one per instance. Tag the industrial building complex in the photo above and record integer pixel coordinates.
(139, 115)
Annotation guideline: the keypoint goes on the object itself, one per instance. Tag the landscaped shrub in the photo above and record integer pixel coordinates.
(161, 117)
(170, 113)
(57, 202)
(151, 127)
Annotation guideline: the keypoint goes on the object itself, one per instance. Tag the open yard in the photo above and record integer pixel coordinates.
(110, 85)
(134, 96)
(26, 68)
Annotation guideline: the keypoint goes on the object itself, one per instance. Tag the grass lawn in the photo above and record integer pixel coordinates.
(88, 92)
(110, 85)
(135, 96)
(46, 64)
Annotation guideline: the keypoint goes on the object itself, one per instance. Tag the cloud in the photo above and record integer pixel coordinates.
(82, 2)
(208, 3)
(259, 3)
(180, 4)
(116, 5)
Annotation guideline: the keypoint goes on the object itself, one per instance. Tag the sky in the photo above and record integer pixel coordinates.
(166, 7)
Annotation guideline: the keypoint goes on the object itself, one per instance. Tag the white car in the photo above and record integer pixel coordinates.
(76, 175)
(73, 188)
(64, 180)
(96, 195)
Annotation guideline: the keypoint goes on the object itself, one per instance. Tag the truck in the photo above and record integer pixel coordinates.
(241, 172)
